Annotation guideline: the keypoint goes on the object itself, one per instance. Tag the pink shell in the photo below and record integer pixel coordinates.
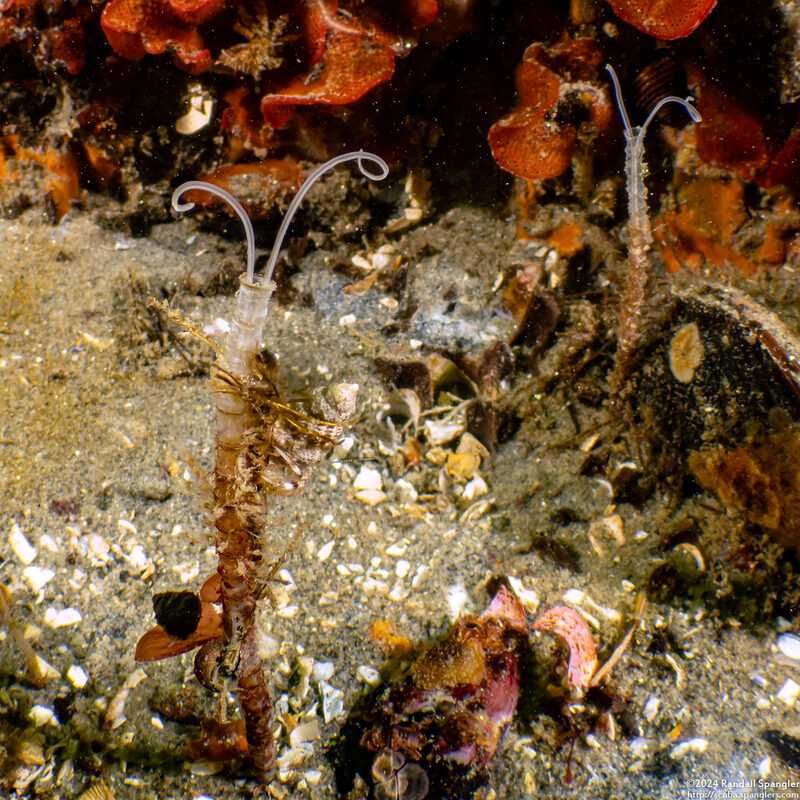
(506, 605)
(572, 628)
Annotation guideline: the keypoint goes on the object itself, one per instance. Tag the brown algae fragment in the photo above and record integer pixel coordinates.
(761, 478)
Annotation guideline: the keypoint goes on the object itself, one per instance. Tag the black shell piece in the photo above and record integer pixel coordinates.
(178, 613)
(787, 747)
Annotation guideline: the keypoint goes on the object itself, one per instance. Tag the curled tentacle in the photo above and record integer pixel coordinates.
(253, 298)
(620, 102)
(358, 155)
(687, 104)
(233, 203)
(634, 152)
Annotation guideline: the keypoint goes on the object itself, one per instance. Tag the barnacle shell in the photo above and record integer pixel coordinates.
(434, 731)
(157, 643)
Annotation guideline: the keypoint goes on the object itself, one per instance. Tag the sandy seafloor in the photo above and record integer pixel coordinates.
(85, 417)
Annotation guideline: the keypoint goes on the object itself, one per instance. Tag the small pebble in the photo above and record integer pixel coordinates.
(38, 576)
(313, 776)
(399, 592)
(77, 677)
(204, 768)
(758, 680)
(332, 701)
(696, 745)
(322, 671)
(639, 746)
(125, 526)
(42, 715)
(368, 675)
(372, 585)
(48, 671)
(32, 632)
(475, 488)
(651, 708)
(187, 571)
(456, 601)
(528, 597)
(788, 692)
(137, 558)
(293, 758)
(405, 492)
(285, 575)
(99, 546)
(308, 732)
(442, 432)
(574, 596)
(397, 549)
(30, 752)
(58, 619)
(789, 645)
(368, 478)
(324, 552)
(372, 497)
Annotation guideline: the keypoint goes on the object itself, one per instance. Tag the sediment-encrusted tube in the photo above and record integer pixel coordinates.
(262, 448)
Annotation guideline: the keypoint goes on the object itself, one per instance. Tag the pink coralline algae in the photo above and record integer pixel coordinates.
(435, 730)
(570, 626)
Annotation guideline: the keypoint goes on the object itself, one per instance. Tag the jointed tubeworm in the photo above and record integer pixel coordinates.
(639, 234)
(263, 448)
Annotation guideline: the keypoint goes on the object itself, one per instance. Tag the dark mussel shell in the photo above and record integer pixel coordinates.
(713, 373)
(716, 395)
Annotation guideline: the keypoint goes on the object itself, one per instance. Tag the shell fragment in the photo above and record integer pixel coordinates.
(58, 619)
(25, 551)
